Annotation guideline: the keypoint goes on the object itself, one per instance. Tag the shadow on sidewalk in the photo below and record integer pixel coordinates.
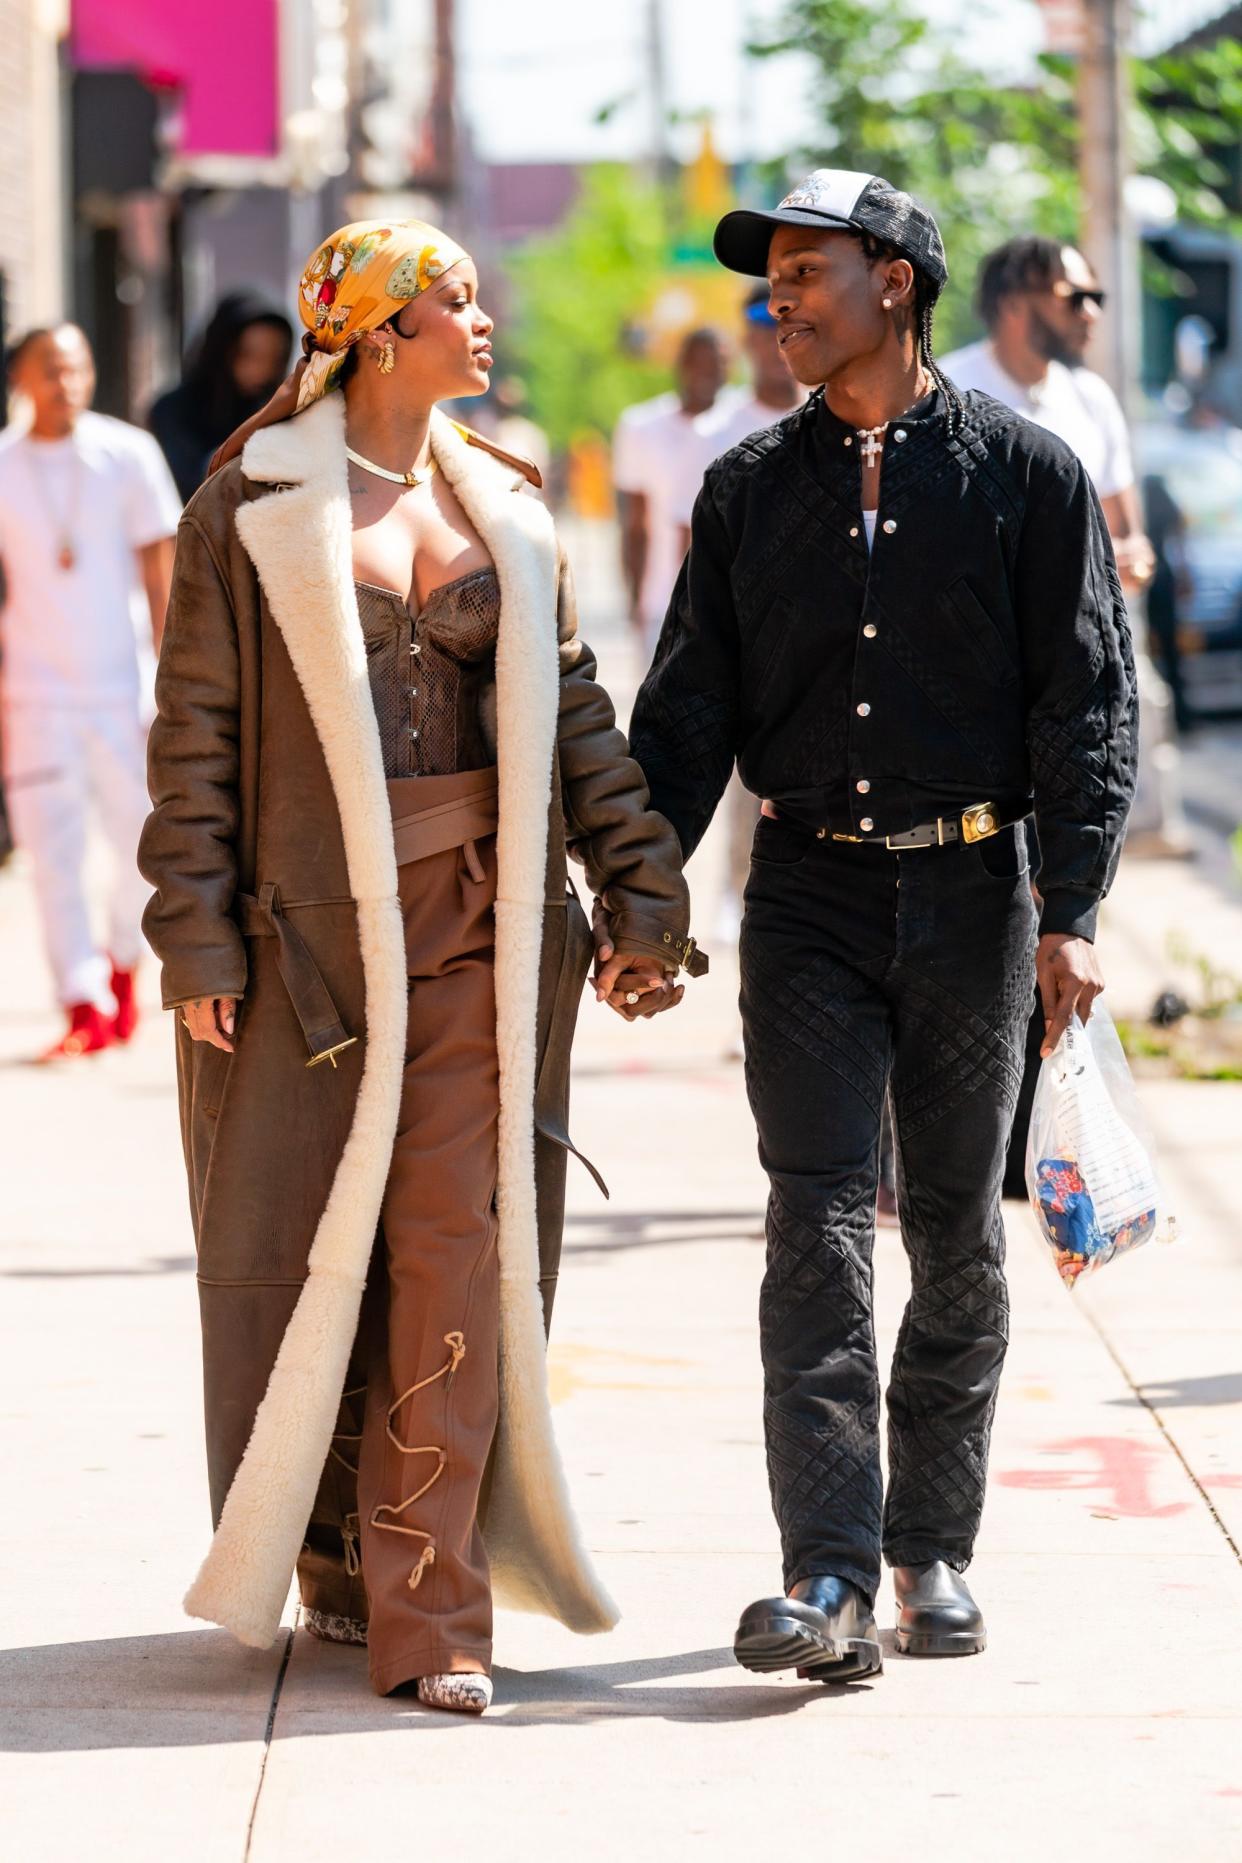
(200, 1688)
(1185, 1393)
(610, 1234)
(608, 1691)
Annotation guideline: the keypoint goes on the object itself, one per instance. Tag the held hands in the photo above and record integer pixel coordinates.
(618, 977)
(1069, 978)
(212, 1019)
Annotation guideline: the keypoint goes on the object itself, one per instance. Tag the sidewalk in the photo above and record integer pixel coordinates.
(1104, 1721)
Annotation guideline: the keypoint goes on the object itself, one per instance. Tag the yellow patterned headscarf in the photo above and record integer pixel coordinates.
(359, 278)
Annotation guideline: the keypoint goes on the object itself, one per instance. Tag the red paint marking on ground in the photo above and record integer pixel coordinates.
(1118, 1467)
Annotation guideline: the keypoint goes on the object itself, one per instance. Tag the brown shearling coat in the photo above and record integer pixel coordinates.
(265, 850)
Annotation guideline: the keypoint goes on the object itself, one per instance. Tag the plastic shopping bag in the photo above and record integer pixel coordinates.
(1089, 1171)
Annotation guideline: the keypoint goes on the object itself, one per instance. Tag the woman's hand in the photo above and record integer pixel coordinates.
(212, 1019)
(618, 976)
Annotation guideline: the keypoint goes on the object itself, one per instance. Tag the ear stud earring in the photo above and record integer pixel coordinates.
(888, 303)
(386, 358)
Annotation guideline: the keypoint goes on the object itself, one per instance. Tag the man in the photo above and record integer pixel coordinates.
(900, 703)
(88, 512)
(657, 468)
(771, 393)
(1041, 301)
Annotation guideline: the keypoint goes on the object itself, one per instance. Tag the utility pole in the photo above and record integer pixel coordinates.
(661, 161)
(1104, 104)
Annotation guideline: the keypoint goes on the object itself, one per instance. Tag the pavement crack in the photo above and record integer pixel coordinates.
(1158, 1419)
(267, 1736)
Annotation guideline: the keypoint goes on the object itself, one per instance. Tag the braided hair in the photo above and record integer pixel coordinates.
(926, 294)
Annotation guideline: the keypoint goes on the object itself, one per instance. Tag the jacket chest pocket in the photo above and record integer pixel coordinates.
(983, 637)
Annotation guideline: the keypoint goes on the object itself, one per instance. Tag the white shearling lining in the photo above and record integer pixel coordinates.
(300, 544)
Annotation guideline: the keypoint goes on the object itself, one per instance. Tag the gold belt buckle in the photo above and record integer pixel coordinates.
(330, 1054)
(980, 822)
(849, 837)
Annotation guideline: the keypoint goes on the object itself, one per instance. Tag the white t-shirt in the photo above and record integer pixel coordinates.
(1075, 404)
(736, 415)
(657, 450)
(79, 635)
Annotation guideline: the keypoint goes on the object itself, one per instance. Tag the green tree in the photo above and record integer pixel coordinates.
(576, 291)
(895, 98)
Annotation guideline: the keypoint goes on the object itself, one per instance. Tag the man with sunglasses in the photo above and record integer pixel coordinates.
(1041, 301)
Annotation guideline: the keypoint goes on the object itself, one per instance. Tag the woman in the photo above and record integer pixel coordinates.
(378, 733)
(230, 373)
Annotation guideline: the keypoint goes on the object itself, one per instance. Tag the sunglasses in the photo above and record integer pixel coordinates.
(1078, 299)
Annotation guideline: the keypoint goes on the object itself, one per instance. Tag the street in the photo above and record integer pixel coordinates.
(1105, 1718)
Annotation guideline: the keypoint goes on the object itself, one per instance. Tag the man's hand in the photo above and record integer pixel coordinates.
(643, 977)
(212, 1019)
(1069, 978)
(618, 976)
(1136, 561)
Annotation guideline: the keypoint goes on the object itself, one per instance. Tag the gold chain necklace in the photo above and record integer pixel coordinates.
(66, 551)
(394, 478)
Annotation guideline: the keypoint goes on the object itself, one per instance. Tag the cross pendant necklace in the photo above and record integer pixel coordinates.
(872, 442)
(873, 437)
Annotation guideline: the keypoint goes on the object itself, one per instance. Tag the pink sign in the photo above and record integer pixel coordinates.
(221, 55)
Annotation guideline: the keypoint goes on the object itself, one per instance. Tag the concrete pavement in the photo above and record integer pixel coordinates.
(1105, 1719)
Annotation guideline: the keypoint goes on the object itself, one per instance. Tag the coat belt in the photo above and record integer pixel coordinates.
(325, 1033)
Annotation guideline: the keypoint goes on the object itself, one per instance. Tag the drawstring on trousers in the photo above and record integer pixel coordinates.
(456, 1343)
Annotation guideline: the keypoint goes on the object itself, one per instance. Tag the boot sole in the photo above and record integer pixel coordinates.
(942, 1643)
(770, 1642)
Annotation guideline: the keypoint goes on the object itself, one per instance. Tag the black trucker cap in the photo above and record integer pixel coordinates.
(836, 197)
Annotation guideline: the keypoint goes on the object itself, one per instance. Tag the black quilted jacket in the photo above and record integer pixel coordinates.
(981, 653)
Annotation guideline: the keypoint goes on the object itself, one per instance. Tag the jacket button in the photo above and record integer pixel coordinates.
(866, 824)
(414, 731)
(862, 786)
(900, 434)
(863, 710)
(413, 692)
(890, 525)
(870, 630)
(853, 530)
(848, 440)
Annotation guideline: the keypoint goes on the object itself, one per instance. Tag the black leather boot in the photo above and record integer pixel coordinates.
(936, 1615)
(824, 1629)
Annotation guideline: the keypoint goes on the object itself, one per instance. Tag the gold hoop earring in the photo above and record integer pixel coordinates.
(386, 358)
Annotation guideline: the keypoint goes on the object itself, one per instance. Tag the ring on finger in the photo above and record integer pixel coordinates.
(632, 997)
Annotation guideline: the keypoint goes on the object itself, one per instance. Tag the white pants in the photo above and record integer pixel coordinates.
(57, 760)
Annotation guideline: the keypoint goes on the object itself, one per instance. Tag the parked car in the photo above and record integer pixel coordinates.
(1200, 471)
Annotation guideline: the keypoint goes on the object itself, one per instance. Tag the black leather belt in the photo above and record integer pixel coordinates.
(973, 824)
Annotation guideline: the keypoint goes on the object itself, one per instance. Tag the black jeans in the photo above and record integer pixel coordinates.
(864, 973)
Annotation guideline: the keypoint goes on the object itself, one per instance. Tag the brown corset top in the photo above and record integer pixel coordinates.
(428, 672)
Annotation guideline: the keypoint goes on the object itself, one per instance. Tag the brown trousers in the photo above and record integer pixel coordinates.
(425, 1373)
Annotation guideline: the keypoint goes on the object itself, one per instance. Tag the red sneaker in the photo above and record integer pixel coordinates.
(124, 988)
(89, 1031)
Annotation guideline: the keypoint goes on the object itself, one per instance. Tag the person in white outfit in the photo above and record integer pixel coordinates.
(1041, 301)
(769, 395)
(88, 512)
(657, 465)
